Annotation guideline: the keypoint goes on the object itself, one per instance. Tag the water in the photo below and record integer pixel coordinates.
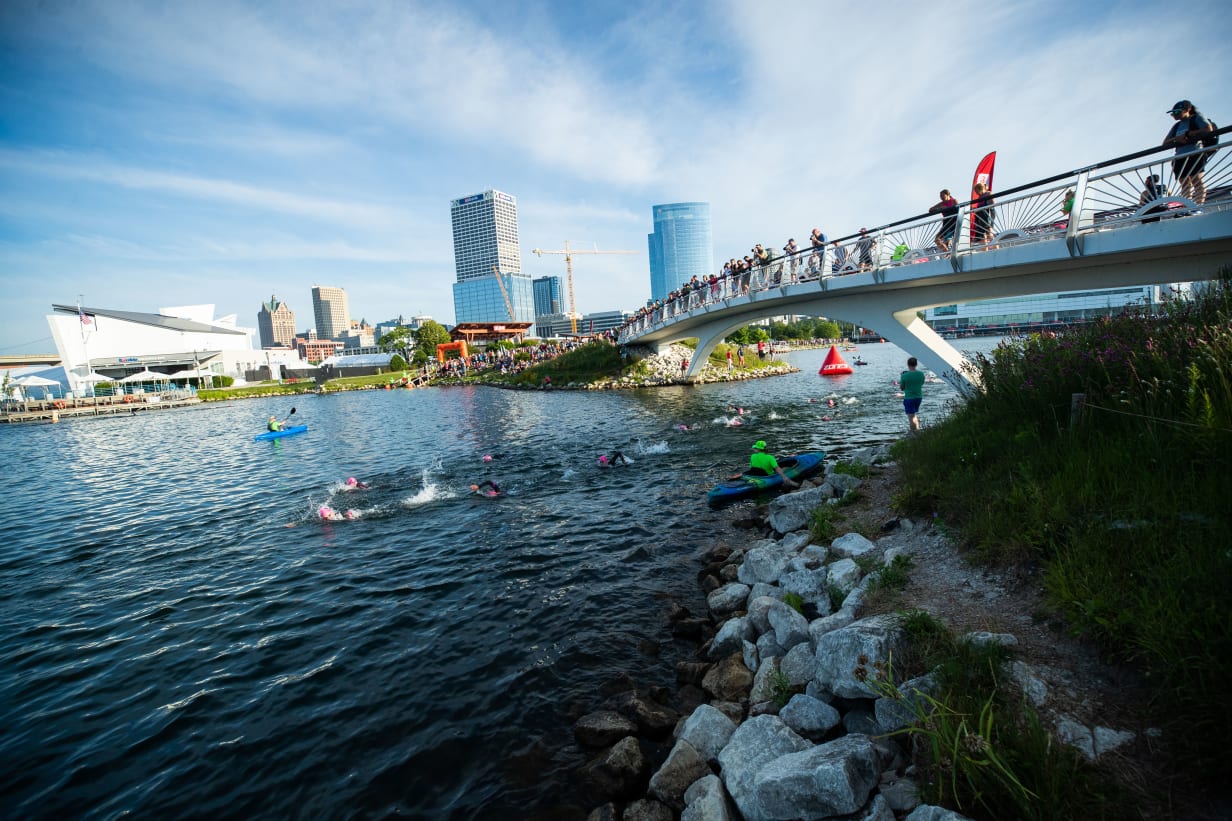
(182, 636)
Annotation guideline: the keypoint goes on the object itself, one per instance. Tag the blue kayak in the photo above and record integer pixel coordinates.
(796, 467)
(278, 434)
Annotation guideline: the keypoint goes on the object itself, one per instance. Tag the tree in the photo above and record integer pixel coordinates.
(431, 334)
(400, 340)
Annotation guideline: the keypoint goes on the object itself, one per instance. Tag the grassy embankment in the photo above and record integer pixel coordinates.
(1122, 506)
(597, 361)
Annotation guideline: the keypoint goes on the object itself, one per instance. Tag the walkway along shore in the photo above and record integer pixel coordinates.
(778, 716)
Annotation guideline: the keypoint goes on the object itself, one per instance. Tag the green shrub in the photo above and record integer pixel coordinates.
(397, 363)
(856, 469)
(1123, 505)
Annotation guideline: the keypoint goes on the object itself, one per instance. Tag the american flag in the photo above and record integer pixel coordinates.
(85, 320)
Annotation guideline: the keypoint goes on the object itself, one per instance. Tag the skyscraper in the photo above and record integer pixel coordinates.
(547, 296)
(276, 323)
(680, 246)
(485, 234)
(330, 309)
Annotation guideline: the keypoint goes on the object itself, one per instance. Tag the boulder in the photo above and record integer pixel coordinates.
(794, 511)
(708, 729)
(683, 766)
(646, 809)
(843, 483)
(852, 546)
(768, 646)
(764, 681)
(617, 773)
(800, 664)
(809, 717)
(828, 624)
(729, 679)
(755, 744)
(790, 628)
(762, 564)
(727, 599)
(653, 719)
(809, 585)
(847, 656)
(793, 543)
(731, 637)
(707, 801)
(894, 714)
(843, 574)
(834, 778)
(602, 728)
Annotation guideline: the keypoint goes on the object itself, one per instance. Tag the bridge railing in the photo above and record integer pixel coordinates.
(1119, 193)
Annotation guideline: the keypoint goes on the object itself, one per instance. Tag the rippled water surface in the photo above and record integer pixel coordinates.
(182, 637)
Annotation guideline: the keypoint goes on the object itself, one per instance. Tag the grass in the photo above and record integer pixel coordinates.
(1123, 505)
(979, 747)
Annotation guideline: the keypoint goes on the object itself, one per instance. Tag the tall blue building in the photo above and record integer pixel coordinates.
(680, 246)
(547, 296)
(485, 234)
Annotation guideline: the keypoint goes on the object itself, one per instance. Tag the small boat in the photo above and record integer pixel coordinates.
(796, 467)
(278, 434)
(859, 361)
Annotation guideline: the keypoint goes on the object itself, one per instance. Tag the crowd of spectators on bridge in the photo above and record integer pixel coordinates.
(763, 268)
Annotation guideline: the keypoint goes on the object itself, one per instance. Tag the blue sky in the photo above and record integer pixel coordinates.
(156, 154)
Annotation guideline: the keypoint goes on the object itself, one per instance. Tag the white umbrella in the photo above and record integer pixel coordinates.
(144, 376)
(93, 378)
(35, 381)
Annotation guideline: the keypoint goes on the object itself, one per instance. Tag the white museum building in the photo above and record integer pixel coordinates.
(99, 344)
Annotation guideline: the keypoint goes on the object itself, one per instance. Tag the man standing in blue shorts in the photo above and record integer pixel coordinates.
(912, 383)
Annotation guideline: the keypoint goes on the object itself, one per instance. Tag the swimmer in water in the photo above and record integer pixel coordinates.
(354, 484)
(617, 458)
(486, 488)
(328, 514)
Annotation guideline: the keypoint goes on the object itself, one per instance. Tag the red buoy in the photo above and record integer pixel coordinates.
(834, 365)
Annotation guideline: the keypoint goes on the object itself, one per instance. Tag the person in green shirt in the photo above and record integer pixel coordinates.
(764, 464)
(274, 424)
(912, 383)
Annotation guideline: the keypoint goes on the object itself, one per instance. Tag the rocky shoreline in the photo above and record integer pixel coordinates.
(778, 717)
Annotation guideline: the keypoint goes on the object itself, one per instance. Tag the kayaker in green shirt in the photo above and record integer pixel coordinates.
(912, 383)
(274, 424)
(764, 464)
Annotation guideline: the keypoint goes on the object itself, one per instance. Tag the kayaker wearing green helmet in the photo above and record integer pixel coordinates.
(764, 464)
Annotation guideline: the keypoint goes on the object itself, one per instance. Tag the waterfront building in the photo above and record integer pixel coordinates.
(485, 236)
(680, 246)
(276, 323)
(601, 321)
(547, 296)
(1040, 310)
(331, 311)
(101, 343)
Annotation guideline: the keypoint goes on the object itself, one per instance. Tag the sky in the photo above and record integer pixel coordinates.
(155, 154)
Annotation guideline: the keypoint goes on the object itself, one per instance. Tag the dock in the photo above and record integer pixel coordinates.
(56, 410)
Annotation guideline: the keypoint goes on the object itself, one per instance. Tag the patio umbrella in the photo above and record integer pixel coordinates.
(144, 376)
(35, 381)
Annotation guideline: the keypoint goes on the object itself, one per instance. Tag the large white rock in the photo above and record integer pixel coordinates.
(851, 546)
(830, 779)
(846, 657)
(731, 637)
(708, 801)
(708, 729)
(756, 742)
(794, 511)
(728, 599)
(809, 717)
(790, 628)
(762, 564)
(844, 574)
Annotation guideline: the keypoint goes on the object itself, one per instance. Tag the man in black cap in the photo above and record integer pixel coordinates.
(1186, 134)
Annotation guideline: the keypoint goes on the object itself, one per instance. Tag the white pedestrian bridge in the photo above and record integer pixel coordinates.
(1131, 223)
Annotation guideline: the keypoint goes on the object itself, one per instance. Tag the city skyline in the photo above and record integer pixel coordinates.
(166, 155)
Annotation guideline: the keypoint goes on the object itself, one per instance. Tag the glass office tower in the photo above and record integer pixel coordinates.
(547, 296)
(485, 234)
(680, 246)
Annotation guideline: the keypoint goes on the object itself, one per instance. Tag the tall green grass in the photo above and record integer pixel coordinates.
(1125, 504)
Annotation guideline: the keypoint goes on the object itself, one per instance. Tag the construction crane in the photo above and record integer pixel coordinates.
(500, 280)
(569, 271)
